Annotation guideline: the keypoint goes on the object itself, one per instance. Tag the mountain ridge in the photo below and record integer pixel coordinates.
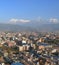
(30, 27)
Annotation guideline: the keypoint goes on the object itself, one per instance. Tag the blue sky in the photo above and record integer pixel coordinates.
(28, 9)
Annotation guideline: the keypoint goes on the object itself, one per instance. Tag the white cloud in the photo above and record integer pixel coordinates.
(13, 20)
(24, 21)
(38, 20)
(53, 20)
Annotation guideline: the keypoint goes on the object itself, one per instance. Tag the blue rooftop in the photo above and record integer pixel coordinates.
(44, 44)
(17, 63)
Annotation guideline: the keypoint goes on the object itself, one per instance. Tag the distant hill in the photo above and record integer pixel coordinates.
(29, 27)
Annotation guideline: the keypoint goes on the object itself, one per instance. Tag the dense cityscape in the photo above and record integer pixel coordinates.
(29, 48)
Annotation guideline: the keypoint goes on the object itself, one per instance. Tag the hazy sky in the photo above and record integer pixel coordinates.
(28, 9)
